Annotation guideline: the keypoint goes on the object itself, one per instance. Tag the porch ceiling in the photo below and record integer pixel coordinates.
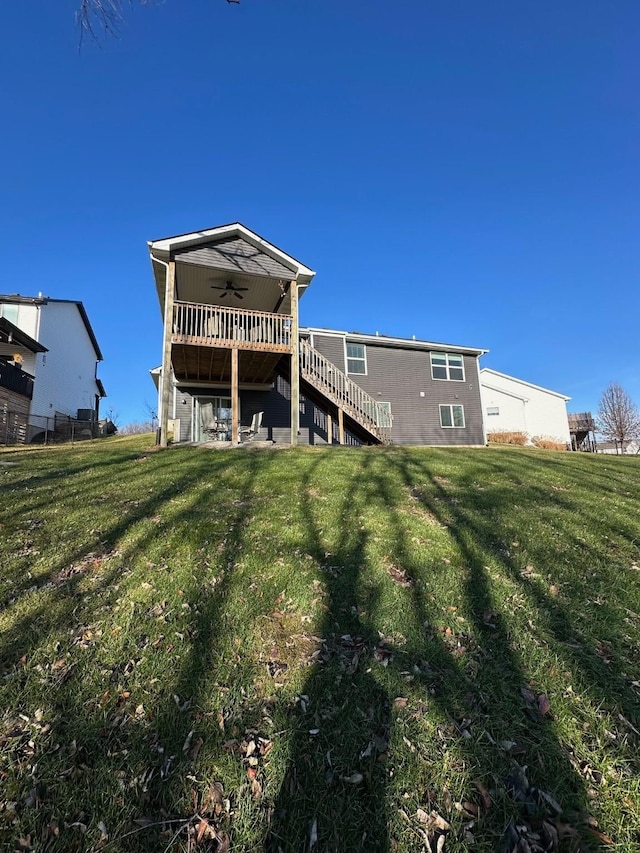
(208, 364)
(201, 284)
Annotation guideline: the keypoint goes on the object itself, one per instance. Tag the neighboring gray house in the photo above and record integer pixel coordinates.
(233, 348)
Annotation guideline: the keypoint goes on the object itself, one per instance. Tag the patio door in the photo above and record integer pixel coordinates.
(221, 413)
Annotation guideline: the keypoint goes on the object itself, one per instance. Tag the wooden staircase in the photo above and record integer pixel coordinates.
(347, 396)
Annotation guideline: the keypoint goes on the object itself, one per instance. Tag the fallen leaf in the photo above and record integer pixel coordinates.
(354, 779)
(544, 706)
(601, 836)
(484, 794)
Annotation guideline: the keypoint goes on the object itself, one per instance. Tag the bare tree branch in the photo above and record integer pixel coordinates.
(618, 416)
(107, 16)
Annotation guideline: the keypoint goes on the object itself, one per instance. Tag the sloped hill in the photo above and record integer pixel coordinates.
(318, 649)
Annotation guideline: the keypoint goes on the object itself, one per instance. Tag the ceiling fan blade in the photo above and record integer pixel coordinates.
(238, 295)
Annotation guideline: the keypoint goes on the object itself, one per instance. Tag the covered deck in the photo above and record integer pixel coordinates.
(230, 306)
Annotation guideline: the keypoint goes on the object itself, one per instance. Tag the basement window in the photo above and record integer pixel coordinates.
(451, 417)
(493, 410)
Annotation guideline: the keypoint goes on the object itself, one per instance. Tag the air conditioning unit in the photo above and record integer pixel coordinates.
(86, 415)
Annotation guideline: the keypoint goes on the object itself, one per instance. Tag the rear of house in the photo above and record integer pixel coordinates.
(233, 348)
(430, 392)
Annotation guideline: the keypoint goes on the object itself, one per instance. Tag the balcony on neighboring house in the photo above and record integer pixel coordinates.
(15, 379)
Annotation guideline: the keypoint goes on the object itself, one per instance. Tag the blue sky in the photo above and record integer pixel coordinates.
(466, 172)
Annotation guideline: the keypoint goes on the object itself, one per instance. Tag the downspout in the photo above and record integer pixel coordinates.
(483, 415)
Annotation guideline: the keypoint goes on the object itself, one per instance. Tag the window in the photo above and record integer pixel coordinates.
(447, 365)
(385, 420)
(10, 313)
(452, 416)
(493, 410)
(356, 359)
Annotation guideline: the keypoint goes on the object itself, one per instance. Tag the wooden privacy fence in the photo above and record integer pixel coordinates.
(13, 427)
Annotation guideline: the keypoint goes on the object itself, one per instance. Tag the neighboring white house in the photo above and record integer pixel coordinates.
(515, 405)
(65, 376)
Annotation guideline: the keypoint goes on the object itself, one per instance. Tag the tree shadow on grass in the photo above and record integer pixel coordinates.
(332, 796)
(507, 695)
(127, 730)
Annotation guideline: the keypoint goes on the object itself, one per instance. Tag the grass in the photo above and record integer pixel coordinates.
(318, 649)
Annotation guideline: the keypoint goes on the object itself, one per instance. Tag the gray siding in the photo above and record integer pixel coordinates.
(399, 376)
(235, 255)
(276, 421)
(396, 375)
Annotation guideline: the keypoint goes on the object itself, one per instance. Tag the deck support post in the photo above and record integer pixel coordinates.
(329, 428)
(235, 399)
(169, 295)
(341, 426)
(295, 366)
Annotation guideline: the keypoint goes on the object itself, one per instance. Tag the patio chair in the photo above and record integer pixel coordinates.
(208, 421)
(247, 433)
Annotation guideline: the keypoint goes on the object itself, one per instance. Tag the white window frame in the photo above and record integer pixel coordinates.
(447, 366)
(493, 410)
(451, 407)
(363, 359)
(387, 405)
(197, 401)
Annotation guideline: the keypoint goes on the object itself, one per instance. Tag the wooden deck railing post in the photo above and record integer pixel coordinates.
(295, 365)
(235, 399)
(169, 293)
(340, 426)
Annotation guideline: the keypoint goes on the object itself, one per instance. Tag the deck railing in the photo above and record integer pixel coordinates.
(15, 379)
(217, 325)
(345, 393)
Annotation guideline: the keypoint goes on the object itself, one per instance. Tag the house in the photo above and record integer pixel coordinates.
(514, 405)
(16, 384)
(233, 348)
(619, 448)
(48, 366)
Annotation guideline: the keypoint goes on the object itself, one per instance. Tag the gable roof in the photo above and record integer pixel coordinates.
(488, 371)
(234, 247)
(17, 299)
(387, 341)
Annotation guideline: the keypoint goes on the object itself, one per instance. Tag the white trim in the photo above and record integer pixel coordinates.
(450, 407)
(384, 340)
(521, 382)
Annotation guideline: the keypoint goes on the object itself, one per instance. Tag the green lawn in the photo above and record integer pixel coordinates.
(318, 649)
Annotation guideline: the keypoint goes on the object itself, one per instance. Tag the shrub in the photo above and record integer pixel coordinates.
(505, 436)
(547, 443)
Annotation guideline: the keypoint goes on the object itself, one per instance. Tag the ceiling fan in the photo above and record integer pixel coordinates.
(230, 288)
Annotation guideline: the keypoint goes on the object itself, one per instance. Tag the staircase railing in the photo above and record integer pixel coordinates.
(345, 393)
